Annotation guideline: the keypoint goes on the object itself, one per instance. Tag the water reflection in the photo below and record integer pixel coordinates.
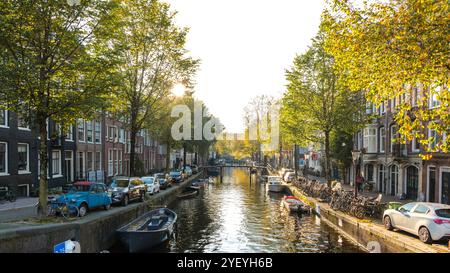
(236, 216)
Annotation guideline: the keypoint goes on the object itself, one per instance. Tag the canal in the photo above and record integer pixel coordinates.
(239, 216)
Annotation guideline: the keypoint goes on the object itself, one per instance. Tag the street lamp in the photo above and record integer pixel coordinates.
(355, 156)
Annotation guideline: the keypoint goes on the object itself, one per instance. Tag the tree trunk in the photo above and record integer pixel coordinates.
(327, 159)
(132, 151)
(168, 155)
(43, 154)
(184, 157)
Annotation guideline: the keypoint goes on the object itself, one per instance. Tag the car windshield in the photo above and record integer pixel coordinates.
(174, 173)
(122, 183)
(159, 176)
(148, 180)
(76, 188)
(444, 213)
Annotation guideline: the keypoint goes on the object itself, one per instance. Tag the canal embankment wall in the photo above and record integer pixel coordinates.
(95, 232)
(370, 235)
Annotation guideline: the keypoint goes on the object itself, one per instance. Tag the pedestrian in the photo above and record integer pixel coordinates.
(359, 182)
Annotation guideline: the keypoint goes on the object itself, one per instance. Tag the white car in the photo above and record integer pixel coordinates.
(429, 221)
(151, 183)
(289, 177)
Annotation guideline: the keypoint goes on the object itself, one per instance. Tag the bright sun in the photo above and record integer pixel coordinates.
(178, 90)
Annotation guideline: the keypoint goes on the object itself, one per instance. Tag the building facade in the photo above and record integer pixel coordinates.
(397, 169)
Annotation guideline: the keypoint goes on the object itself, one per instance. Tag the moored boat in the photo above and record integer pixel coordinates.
(294, 204)
(274, 184)
(149, 230)
(188, 194)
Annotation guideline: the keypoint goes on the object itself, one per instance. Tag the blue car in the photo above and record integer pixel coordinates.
(176, 176)
(86, 196)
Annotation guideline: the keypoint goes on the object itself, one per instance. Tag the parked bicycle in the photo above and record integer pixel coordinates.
(7, 194)
(64, 209)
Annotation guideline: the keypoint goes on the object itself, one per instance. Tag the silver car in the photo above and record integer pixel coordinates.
(429, 221)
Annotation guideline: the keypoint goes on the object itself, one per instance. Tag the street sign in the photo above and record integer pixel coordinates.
(60, 248)
(68, 246)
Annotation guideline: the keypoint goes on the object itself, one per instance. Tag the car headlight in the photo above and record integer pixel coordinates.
(73, 200)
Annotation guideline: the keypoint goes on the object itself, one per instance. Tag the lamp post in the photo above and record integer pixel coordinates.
(355, 156)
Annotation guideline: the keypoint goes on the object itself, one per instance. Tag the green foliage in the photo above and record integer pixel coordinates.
(394, 48)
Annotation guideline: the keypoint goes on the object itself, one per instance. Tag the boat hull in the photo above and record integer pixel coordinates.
(275, 188)
(135, 240)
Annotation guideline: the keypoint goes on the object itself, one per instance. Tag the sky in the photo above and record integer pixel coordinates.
(244, 46)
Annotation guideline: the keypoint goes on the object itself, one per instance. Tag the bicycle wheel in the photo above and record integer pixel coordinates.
(50, 210)
(69, 211)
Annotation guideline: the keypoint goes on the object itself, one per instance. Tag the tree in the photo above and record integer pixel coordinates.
(56, 63)
(153, 60)
(314, 105)
(396, 48)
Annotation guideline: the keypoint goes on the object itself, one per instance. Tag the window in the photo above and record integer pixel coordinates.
(421, 209)
(81, 131)
(433, 96)
(98, 132)
(56, 163)
(110, 162)
(369, 172)
(383, 108)
(119, 171)
(89, 131)
(81, 164)
(431, 183)
(407, 208)
(393, 138)
(89, 161)
(393, 104)
(415, 145)
(382, 139)
(22, 123)
(98, 158)
(370, 139)
(69, 134)
(116, 162)
(23, 158)
(3, 158)
(433, 138)
(394, 179)
(415, 96)
(358, 141)
(122, 136)
(3, 118)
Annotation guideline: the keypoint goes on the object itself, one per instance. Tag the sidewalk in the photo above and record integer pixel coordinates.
(385, 199)
(23, 208)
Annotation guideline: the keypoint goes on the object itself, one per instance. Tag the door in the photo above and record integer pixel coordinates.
(445, 196)
(394, 179)
(432, 183)
(402, 217)
(94, 196)
(69, 166)
(412, 182)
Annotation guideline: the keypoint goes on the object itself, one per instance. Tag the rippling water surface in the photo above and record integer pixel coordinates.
(236, 216)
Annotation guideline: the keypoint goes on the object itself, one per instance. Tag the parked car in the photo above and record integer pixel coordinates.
(176, 176)
(164, 183)
(284, 171)
(188, 171)
(429, 221)
(151, 183)
(126, 189)
(194, 169)
(289, 177)
(86, 195)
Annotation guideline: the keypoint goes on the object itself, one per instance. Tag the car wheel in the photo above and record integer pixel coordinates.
(125, 201)
(107, 207)
(388, 223)
(83, 210)
(424, 235)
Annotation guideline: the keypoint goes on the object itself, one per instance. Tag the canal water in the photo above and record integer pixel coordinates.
(238, 216)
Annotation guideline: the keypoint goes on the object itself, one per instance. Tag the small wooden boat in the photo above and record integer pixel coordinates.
(274, 184)
(188, 194)
(149, 230)
(194, 187)
(293, 204)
